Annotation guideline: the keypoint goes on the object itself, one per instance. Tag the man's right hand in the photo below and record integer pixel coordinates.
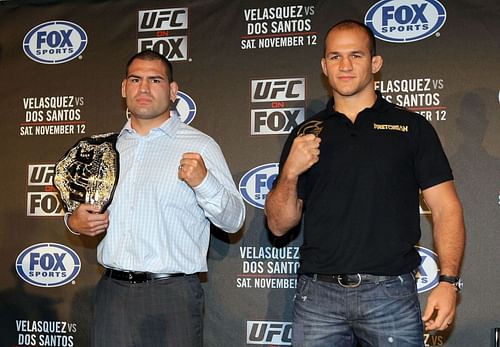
(87, 220)
(303, 154)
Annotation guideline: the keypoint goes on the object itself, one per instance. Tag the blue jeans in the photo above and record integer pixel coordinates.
(373, 314)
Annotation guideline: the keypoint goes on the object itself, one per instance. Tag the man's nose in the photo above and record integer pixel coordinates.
(345, 64)
(144, 86)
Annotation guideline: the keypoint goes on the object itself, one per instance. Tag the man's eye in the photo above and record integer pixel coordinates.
(134, 80)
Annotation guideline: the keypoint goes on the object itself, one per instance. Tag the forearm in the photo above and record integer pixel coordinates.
(448, 226)
(283, 208)
(449, 242)
(221, 203)
(226, 211)
(449, 238)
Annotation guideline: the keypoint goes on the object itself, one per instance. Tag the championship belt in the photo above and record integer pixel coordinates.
(88, 172)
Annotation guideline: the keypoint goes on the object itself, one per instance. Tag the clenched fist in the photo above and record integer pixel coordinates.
(192, 169)
(303, 154)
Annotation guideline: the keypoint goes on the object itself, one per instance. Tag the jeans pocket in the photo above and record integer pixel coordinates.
(400, 287)
(302, 285)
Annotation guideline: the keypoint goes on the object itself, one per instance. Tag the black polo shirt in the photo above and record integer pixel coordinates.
(361, 200)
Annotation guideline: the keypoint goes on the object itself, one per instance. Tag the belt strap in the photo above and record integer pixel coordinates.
(138, 277)
(351, 280)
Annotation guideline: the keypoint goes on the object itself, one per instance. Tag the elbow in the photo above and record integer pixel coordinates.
(275, 224)
(238, 221)
(275, 228)
(279, 222)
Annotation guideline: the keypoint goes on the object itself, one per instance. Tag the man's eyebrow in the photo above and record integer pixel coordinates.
(350, 52)
(157, 77)
(148, 77)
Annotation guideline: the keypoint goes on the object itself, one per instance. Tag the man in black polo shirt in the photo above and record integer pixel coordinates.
(359, 201)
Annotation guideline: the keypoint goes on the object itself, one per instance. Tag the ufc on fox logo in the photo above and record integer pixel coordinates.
(162, 30)
(277, 105)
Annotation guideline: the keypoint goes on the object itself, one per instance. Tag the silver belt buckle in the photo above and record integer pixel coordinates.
(354, 285)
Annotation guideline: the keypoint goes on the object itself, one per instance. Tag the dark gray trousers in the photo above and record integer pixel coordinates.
(167, 312)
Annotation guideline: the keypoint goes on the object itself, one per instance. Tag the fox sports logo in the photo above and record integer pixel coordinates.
(55, 42)
(428, 271)
(184, 107)
(402, 21)
(48, 265)
(256, 184)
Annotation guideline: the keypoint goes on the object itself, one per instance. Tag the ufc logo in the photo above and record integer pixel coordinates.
(164, 19)
(269, 333)
(285, 89)
(40, 175)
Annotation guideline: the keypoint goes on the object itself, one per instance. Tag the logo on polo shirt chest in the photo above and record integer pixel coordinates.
(391, 127)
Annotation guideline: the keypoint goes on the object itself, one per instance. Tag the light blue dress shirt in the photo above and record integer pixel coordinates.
(158, 223)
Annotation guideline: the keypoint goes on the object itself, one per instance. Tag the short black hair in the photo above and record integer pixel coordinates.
(152, 55)
(351, 23)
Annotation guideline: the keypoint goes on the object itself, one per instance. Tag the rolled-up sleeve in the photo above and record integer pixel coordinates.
(217, 194)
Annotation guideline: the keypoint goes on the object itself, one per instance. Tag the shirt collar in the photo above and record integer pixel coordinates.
(379, 105)
(169, 127)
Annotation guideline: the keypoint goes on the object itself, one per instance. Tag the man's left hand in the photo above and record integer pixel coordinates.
(192, 169)
(441, 306)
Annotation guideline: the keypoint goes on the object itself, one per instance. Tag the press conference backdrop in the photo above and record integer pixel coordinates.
(248, 72)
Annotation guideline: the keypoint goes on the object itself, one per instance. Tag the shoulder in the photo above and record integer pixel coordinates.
(400, 113)
(195, 136)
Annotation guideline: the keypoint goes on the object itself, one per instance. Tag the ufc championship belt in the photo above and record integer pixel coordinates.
(88, 172)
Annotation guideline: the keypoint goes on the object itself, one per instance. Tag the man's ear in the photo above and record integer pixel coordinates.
(124, 94)
(377, 63)
(174, 88)
(323, 66)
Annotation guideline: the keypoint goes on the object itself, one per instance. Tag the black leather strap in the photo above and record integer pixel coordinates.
(351, 280)
(454, 280)
(138, 277)
(449, 279)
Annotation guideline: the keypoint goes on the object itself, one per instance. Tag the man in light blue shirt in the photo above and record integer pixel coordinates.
(173, 182)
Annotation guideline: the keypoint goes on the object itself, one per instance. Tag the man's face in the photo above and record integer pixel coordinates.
(147, 90)
(348, 63)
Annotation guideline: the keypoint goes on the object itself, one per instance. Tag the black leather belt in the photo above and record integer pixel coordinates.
(351, 280)
(138, 277)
